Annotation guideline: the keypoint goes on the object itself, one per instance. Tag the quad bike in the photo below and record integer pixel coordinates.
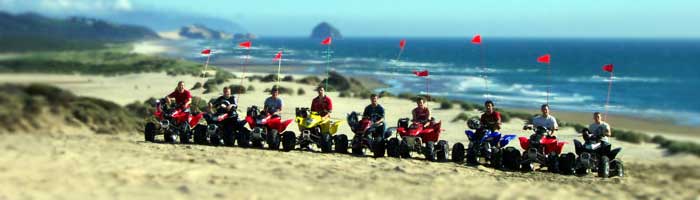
(415, 137)
(267, 128)
(540, 148)
(315, 129)
(594, 155)
(173, 122)
(368, 135)
(222, 126)
(483, 143)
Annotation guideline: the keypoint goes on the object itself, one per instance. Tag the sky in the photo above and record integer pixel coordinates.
(419, 18)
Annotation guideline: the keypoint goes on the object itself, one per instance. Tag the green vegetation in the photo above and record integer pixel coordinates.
(463, 117)
(301, 91)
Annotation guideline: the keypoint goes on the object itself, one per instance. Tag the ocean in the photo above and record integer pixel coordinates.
(654, 78)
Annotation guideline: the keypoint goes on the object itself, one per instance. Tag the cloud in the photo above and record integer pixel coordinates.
(67, 6)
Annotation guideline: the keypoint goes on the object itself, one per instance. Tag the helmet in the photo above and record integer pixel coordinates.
(473, 124)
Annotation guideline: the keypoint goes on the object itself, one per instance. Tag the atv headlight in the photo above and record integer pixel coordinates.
(165, 123)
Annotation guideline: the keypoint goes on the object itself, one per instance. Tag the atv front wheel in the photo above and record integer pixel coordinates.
(553, 163)
(341, 143)
(170, 137)
(326, 143)
(616, 168)
(289, 140)
(243, 138)
(273, 139)
(429, 151)
(229, 135)
(472, 158)
(511, 158)
(443, 150)
(458, 153)
(378, 148)
(566, 163)
(216, 140)
(149, 132)
(404, 149)
(200, 134)
(604, 167)
(392, 148)
(496, 159)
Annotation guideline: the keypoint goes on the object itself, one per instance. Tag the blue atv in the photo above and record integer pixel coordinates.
(483, 143)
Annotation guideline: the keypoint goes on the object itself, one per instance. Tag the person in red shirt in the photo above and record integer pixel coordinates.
(182, 97)
(421, 113)
(491, 119)
(322, 103)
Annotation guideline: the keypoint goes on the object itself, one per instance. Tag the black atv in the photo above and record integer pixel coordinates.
(595, 155)
(368, 135)
(222, 127)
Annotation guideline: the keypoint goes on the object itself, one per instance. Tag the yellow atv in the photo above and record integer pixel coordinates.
(315, 129)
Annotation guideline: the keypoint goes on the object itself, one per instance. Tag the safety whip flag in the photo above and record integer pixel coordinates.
(327, 41)
(206, 52)
(476, 39)
(402, 44)
(278, 56)
(245, 44)
(608, 68)
(546, 58)
(423, 73)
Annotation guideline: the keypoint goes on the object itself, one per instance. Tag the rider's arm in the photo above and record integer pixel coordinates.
(281, 104)
(608, 133)
(329, 104)
(381, 115)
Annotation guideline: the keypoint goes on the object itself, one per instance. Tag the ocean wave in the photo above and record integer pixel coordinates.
(602, 79)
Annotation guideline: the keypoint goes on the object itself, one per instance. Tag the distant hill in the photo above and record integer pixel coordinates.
(199, 31)
(324, 30)
(74, 28)
(168, 21)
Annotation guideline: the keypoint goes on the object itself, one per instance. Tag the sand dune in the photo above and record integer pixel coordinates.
(88, 166)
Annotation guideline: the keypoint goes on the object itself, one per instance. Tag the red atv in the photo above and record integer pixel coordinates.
(173, 122)
(538, 148)
(416, 138)
(368, 134)
(267, 128)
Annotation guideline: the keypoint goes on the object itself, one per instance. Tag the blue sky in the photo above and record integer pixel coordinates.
(410, 18)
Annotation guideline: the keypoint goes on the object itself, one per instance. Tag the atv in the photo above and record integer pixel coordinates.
(483, 143)
(173, 122)
(222, 126)
(594, 155)
(368, 135)
(315, 129)
(415, 137)
(540, 148)
(267, 128)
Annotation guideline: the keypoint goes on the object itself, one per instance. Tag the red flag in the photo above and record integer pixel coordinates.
(206, 51)
(476, 39)
(421, 73)
(278, 56)
(402, 44)
(245, 44)
(327, 41)
(544, 59)
(608, 68)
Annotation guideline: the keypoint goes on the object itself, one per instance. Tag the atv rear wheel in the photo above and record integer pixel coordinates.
(243, 138)
(472, 158)
(216, 140)
(273, 140)
(341, 143)
(443, 150)
(229, 135)
(526, 166)
(604, 167)
(458, 153)
(511, 158)
(200, 134)
(392, 148)
(326, 143)
(149, 132)
(185, 134)
(429, 151)
(496, 159)
(378, 148)
(289, 140)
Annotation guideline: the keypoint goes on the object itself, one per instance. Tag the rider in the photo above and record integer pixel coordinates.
(546, 120)
(182, 97)
(599, 128)
(227, 96)
(421, 114)
(273, 104)
(376, 110)
(491, 119)
(322, 104)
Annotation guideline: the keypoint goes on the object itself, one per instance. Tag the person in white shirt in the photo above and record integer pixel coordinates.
(546, 120)
(599, 128)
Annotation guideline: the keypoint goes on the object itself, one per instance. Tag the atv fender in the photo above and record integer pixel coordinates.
(506, 139)
(524, 142)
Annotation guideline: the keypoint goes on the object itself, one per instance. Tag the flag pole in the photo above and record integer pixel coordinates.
(279, 68)
(485, 70)
(549, 77)
(206, 64)
(328, 62)
(245, 63)
(607, 100)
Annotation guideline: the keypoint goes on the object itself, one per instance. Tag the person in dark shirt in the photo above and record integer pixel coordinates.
(322, 104)
(491, 119)
(227, 96)
(182, 97)
(375, 112)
